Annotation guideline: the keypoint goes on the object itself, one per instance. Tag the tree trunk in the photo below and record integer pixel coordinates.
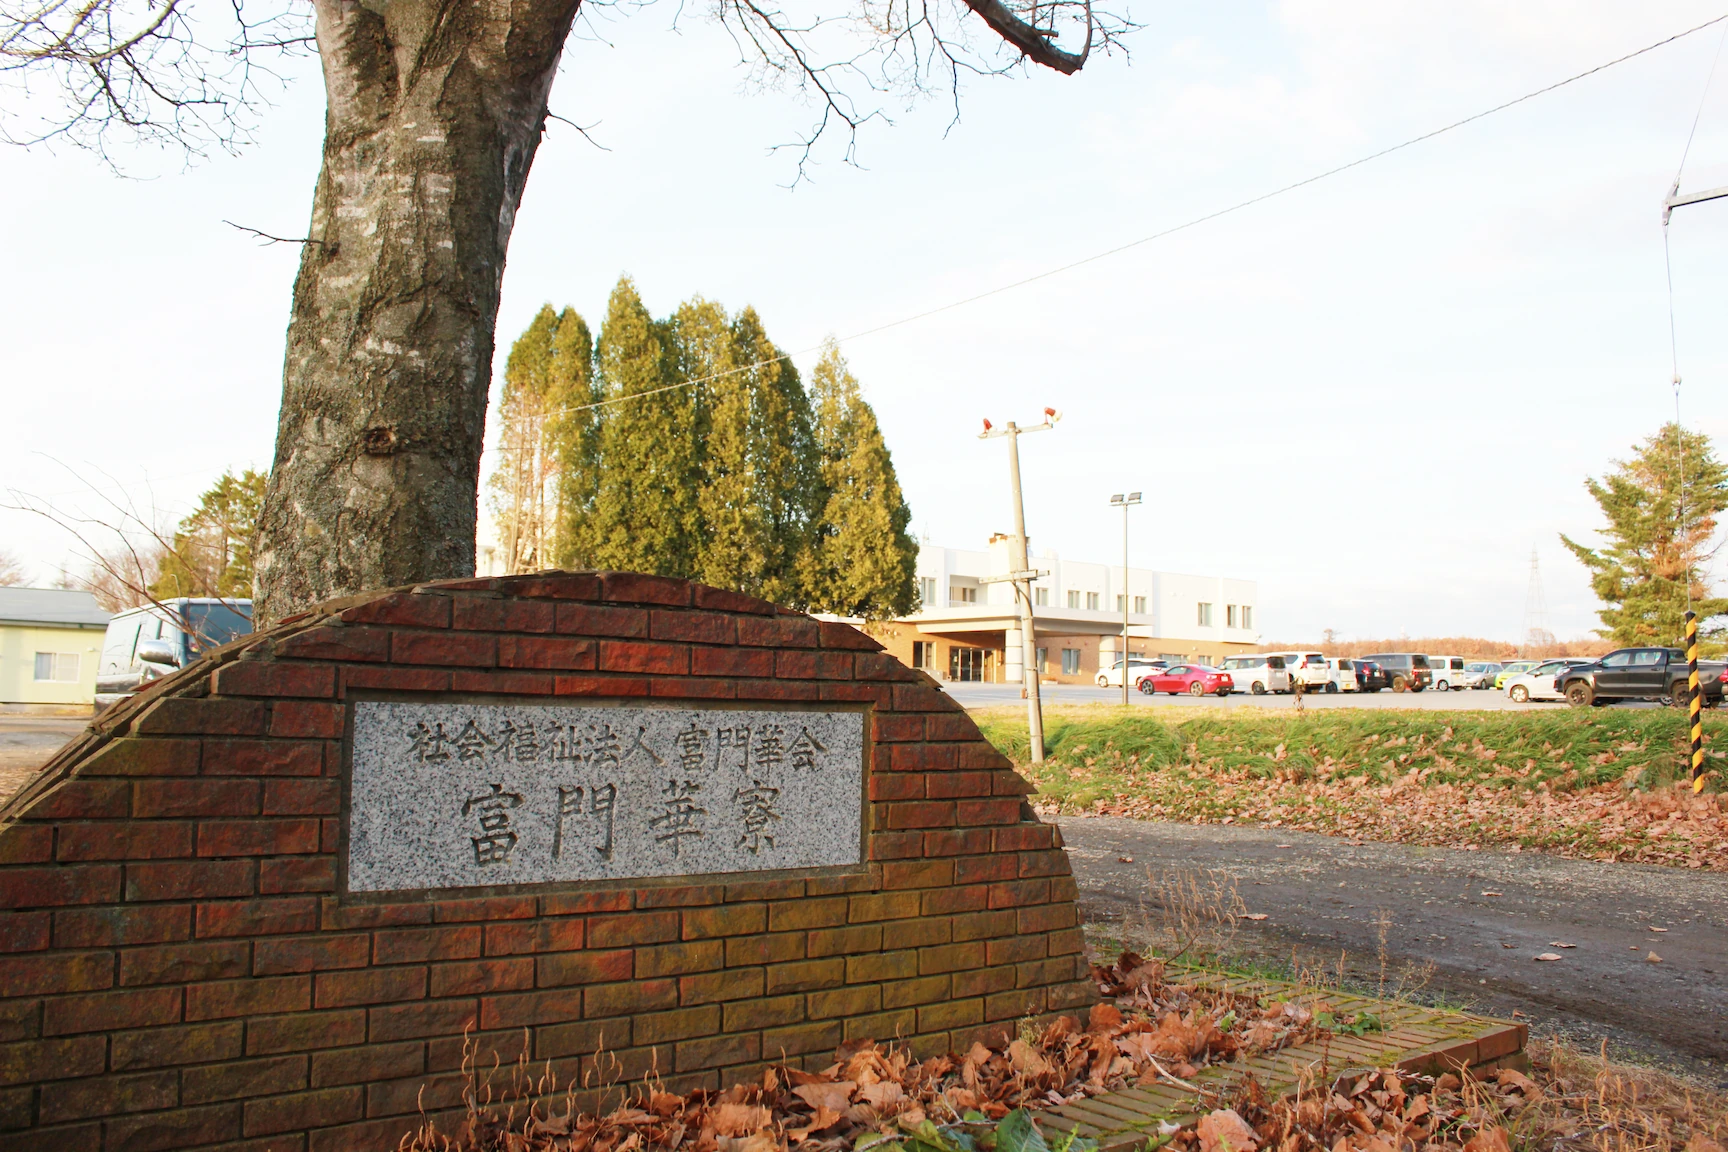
(435, 112)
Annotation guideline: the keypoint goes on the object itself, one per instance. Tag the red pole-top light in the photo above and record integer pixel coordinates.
(986, 425)
(1050, 412)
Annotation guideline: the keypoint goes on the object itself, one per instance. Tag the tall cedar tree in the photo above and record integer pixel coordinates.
(864, 561)
(1644, 570)
(573, 432)
(758, 478)
(543, 417)
(212, 550)
(646, 516)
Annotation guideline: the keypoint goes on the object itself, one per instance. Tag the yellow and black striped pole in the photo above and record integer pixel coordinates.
(1695, 701)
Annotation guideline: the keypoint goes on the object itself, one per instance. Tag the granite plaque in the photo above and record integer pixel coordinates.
(465, 795)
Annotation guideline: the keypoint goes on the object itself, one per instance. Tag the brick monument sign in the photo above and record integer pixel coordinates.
(261, 905)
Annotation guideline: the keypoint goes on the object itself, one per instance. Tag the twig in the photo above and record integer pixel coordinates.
(269, 239)
(551, 115)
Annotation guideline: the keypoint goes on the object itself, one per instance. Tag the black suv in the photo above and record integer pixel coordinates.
(1409, 671)
(1640, 674)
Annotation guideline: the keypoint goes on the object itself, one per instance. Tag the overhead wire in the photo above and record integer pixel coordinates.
(1164, 233)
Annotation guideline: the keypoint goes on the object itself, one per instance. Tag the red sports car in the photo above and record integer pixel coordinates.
(1194, 679)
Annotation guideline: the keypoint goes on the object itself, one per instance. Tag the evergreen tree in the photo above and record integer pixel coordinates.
(212, 550)
(546, 441)
(1661, 518)
(758, 478)
(646, 516)
(863, 561)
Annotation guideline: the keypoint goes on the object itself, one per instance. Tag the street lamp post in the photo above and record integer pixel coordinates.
(1022, 577)
(1125, 502)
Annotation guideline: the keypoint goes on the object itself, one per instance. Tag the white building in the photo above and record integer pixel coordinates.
(968, 628)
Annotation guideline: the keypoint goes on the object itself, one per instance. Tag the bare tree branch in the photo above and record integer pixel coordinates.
(551, 115)
(269, 239)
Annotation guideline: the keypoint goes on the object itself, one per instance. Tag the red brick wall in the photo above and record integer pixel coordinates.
(178, 969)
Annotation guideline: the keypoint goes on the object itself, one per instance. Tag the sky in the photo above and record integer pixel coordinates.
(1375, 395)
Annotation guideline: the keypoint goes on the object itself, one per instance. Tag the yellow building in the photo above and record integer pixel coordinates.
(50, 642)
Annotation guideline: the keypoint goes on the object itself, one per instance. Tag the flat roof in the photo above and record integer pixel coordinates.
(66, 607)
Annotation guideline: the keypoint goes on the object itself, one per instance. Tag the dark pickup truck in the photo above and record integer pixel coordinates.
(1640, 674)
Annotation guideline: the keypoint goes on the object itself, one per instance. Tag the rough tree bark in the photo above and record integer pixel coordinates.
(436, 108)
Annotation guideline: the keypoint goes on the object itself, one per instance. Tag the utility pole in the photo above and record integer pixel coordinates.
(1125, 502)
(1022, 576)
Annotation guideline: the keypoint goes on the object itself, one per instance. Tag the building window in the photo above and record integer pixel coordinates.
(61, 667)
(1229, 615)
(1121, 603)
(1092, 601)
(1073, 599)
(960, 594)
(1247, 616)
(1140, 605)
(1071, 661)
(1041, 597)
(927, 591)
(968, 665)
(1204, 616)
(1043, 661)
(923, 654)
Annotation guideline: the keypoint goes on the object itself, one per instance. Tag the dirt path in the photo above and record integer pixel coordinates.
(26, 743)
(1460, 910)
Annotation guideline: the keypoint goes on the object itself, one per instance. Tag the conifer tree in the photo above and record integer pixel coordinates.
(758, 474)
(646, 516)
(863, 561)
(212, 550)
(1661, 520)
(573, 436)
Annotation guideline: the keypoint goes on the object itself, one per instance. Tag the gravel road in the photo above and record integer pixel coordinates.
(1481, 918)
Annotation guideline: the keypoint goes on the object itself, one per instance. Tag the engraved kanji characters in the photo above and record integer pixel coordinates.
(735, 737)
(692, 748)
(518, 742)
(428, 743)
(496, 839)
(756, 807)
(602, 800)
(683, 815)
(770, 745)
(471, 743)
(804, 749)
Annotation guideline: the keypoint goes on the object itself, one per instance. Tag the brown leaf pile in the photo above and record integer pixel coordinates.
(1668, 825)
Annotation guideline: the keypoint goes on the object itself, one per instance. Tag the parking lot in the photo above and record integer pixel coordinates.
(985, 695)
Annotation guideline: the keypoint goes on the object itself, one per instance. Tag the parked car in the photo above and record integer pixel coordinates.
(1194, 679)
(1308, 669)
(148, 643)
(1640, 674)
(1408, 670)
(1447, 672)
(1481, 674)
(1541, 682)
(1112, 677)
(1258, 673)
(1510, 670)
(1371, 677)
(1343, 677)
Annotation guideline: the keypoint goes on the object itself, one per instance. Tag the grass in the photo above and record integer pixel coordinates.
(1604, 783)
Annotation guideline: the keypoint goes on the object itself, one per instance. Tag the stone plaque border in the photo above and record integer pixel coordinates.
(344, 896)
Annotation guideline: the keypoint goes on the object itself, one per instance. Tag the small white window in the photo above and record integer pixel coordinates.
(1073, 599)
(59, 667)
(961, 594)
(1071, 661)
(1092, 601)
(1247, 616)
(1229, 615)
(1041, 597)
(927, 592)
(1140, 605)
(1121, 603)
(1204, 615)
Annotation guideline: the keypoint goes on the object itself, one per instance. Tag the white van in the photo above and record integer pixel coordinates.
(1257, 673)
(1448, 673)
(145, 644)
(1311, 669)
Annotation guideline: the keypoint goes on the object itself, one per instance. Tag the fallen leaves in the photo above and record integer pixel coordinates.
(1652, 958)
(1253, 915)
(1224, 1131)
(1549, 956)
(1560, 944)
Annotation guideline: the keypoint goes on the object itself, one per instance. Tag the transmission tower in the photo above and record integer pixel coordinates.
(1536, 631)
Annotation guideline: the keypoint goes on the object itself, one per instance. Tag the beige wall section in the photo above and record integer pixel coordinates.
(900, 639)
(19, 644)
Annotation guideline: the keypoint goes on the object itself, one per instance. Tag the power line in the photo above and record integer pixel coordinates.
(1166, 232)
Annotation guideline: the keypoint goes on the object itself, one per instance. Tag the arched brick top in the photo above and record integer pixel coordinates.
(179, 970)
